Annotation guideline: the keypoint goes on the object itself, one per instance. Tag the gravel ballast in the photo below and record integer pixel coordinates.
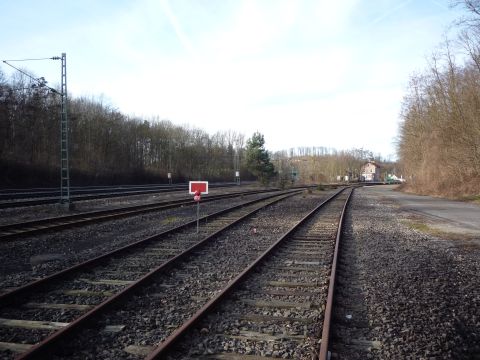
(24, 260)
(404, 294)
(421, 293)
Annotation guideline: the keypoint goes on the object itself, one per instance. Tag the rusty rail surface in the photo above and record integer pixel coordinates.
(42, 349)
(16, 230)
(166, 345)
(20, 291)
(327, 319)
(51, 197)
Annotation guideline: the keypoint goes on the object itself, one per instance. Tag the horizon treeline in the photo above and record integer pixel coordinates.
(321, 164)
(439, 140)
(108, 147)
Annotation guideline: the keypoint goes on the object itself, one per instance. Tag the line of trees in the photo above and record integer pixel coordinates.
(315, 165)
(439, 141)
(106, 145)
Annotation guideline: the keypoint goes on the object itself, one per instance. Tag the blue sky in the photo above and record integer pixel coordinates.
(304, 73)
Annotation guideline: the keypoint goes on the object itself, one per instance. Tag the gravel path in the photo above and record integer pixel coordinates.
(417, 296)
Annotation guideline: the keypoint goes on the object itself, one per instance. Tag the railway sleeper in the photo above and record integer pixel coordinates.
(259, 336)
(277, 304)
(14, 347)
(32, 324)
(79, 307)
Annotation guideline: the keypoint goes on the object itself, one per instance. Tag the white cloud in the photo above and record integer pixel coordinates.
(249, 65)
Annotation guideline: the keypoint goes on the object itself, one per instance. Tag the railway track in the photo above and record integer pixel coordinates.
(16, 194)
(351, 329)
(174, 300)
(30, 314)
(280, 306)
(10, 199)
(35, 227)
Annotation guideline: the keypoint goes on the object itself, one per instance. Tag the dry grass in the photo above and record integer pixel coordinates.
(469, 240)
(472, 198)
(462, 192)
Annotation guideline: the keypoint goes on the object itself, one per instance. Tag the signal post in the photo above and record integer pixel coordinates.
(197, 188)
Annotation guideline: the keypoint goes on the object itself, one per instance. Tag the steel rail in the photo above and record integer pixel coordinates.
(54, 200)
(104, 188)
(42, 349)
(166, 345)
(92, 187)
(13, 295)
(5, 196)
(327, 318)
(15, 230)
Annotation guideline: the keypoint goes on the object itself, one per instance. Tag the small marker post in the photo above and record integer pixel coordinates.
(197, 199)
(197, 188)
(198, 215)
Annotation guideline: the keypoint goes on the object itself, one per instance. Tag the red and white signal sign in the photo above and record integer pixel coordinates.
(201, 186)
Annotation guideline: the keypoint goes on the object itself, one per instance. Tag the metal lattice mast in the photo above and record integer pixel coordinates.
(64, 166)
(64, 132)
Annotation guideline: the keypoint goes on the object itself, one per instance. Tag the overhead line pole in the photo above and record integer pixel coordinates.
(64, 130)
(64, 127)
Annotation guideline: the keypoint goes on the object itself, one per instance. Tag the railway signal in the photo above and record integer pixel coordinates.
(201, 186)
(197, 188)
(196, 197)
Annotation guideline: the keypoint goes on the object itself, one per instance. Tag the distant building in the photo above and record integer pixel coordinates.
(370, 171)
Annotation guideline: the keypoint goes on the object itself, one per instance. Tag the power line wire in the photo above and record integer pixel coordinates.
(41, 80)
(50, 58)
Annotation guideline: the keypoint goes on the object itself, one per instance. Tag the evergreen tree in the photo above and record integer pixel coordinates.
(258, 159)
